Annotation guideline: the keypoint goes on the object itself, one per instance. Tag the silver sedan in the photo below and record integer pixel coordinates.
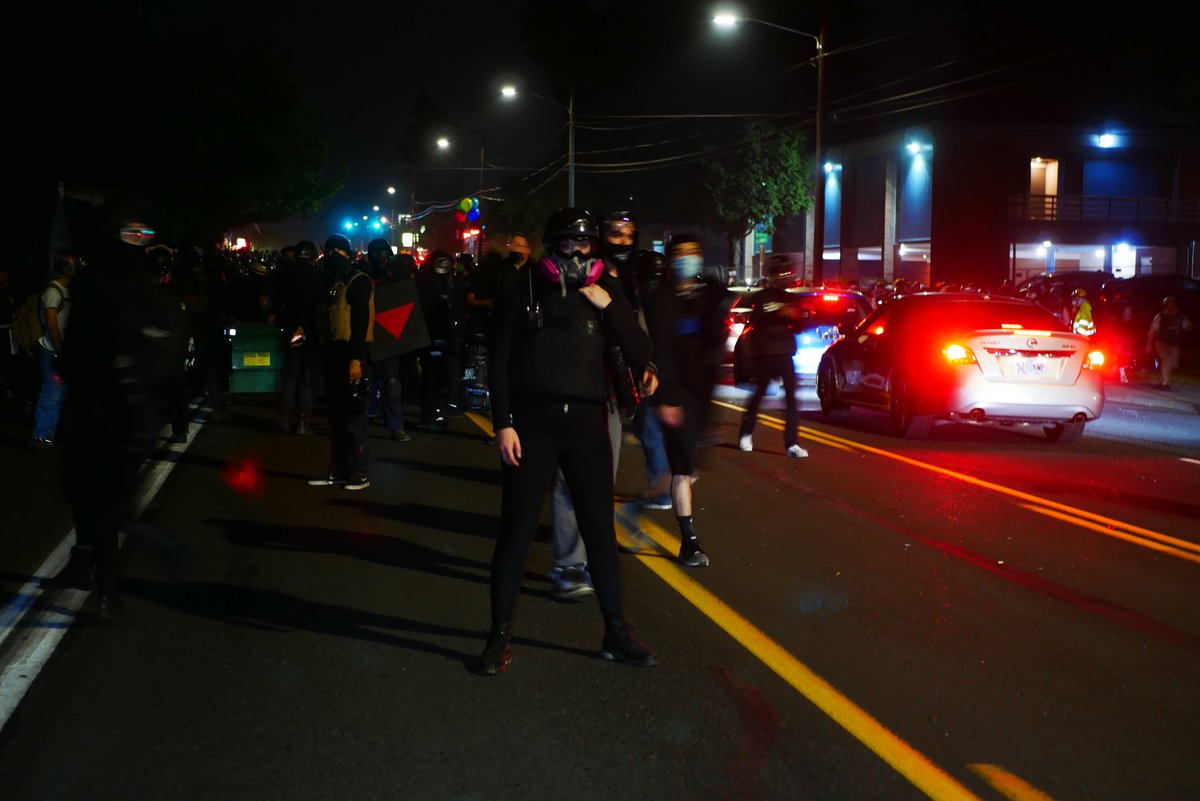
(965, 357)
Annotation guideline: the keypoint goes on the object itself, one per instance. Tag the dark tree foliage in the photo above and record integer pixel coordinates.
(216, 137)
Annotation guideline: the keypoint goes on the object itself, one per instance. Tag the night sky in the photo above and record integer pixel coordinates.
(366, 62)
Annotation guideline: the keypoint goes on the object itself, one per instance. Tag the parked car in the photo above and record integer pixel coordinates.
(820, 312)
(965, 357)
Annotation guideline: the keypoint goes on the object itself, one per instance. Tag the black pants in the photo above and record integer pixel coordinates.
(170, 393)
(388, 376)
(348, 452)
(433, 384)
(573, 436)
(766, 368)
(298, 383)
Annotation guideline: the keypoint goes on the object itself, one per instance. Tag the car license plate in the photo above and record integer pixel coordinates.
(256, 360)
(1030, 367)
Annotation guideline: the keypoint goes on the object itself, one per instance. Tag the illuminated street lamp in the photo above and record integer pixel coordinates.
(724, 20)
(510, 92)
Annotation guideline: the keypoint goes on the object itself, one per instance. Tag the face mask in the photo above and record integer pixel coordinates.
(337, 264)
(686, 268)
(571, 272)
(619, 253)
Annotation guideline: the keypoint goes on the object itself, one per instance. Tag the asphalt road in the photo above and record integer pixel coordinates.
(980, 615)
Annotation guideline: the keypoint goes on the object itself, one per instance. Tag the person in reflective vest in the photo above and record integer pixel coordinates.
(1082, 322)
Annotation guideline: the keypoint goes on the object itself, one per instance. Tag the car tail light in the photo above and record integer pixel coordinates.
(1094, 360)
(958, 354)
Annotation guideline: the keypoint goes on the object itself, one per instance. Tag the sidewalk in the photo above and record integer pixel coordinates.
(1142, 390)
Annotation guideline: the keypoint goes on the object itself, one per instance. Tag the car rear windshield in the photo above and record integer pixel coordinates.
(971, 315)
(831, 309)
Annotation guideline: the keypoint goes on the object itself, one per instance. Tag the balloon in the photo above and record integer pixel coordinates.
(464, 205)
(475, 203)
(473, 214)
(460, 217)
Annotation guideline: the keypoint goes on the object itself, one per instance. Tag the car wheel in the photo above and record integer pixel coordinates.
(1064, 433)
(901, 403)
(829, 390)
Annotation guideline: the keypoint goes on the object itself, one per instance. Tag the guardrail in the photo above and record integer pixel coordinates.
(1099, 208)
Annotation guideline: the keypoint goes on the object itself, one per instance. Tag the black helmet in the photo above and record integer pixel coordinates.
(651, 267)
(160, 260)
(570, 223)
(624, 217)
(306, 250)
(441, 262)
(338, 242)
(67, 262)
(378, 246)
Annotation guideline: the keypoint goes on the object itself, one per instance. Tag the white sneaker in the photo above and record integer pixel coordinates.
(746, 443)
(796, 452)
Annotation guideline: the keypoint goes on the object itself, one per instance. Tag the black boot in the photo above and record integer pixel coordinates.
(622, 645)
(496, 654)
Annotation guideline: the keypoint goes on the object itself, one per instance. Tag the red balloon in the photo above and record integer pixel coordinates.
(458, 215)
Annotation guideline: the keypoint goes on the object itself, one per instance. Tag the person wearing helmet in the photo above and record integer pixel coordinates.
(549, 388)
(686, 319)
(347, 325)
(773, 346)
(379, 259)
(1164, 337)
(1081, 322)
(300, 290)
(387, 373)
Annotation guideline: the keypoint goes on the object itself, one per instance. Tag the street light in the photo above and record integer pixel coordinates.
(818, 227)
(510, 92)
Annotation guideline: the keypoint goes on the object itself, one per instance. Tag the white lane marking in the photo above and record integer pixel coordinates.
(45, 629)
(1189, 461)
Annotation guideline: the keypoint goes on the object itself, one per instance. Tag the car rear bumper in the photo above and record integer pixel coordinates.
(978, 399)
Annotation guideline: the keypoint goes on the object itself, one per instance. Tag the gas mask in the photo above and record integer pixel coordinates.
(572, 271)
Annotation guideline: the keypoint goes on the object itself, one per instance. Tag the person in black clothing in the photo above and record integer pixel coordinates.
(299, 296)
(346, 326)
(164, 341)
(106, 430)
(685, 317)
(439, 301)
(387, 375)
(774, 346)
(548, 388)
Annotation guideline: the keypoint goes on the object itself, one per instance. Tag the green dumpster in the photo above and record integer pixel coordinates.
(257, 357)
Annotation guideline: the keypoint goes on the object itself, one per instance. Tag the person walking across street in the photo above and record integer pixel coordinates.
(1163, 338)
(549, 388)
(773, 344)
(685, 317)
(348, 322)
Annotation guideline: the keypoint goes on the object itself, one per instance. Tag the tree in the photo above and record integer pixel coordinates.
(756, 175)
(217, 137)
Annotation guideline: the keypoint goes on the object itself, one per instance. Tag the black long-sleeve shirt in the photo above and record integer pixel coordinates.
(564, 358)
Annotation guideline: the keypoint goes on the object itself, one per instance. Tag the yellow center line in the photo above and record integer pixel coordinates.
(1008, 785)
(902, 757)
(1103, 525)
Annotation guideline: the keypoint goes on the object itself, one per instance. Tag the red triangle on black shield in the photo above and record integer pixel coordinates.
(394, 320)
